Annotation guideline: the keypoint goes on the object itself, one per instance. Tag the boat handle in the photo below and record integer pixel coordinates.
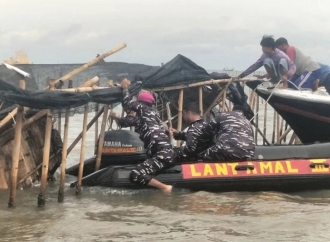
(244, 167)
(313, 165)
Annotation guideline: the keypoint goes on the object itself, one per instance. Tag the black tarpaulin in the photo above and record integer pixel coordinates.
(178, 71)
(57, 99)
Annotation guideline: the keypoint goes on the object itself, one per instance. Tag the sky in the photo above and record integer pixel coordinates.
(215, 34)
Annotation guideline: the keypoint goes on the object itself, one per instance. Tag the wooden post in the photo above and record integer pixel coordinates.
(274, 127)
(277, 126)
(257, 119)
(265, 122)
(88, 127)
(224, 97)
(45, 161)
(169, 120)
(59, 121)
(82, 151)
(64, 154)
(101, 139)
(46, 153)
(180, 106)
(200, 90)
(97, 108)
(16, 153)
(283, 135)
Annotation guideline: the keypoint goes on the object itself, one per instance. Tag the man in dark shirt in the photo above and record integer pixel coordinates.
(196, 141)
(234, 137)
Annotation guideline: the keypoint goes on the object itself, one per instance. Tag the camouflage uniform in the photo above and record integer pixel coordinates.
(234, 136)
(156, 142)
(196, 141)
(129, 121)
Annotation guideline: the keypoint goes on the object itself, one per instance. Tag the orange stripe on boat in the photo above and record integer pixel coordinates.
(261, 168)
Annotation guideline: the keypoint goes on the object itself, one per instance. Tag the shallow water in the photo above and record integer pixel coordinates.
(102, 214)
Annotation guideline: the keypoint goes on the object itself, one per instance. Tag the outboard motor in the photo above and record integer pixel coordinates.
(120, 147)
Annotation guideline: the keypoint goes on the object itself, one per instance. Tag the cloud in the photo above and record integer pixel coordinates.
(212, 33)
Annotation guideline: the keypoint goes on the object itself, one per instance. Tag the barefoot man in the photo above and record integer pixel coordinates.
(156, 142)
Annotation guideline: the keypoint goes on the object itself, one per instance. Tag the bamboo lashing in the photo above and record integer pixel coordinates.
(82, 151)
(180, 107)
(91, 63)
(101, 138)
(16, 153)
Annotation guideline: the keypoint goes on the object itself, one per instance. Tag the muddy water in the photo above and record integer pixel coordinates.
(102, 214)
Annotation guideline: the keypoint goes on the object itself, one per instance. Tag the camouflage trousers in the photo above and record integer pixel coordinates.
(160, 160)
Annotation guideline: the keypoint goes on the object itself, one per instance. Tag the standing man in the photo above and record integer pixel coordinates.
(278, 65)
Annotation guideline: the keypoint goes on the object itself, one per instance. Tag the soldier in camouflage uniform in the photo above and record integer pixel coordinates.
(156, 142)
(234, 137)
(130, 120)
(196, 140)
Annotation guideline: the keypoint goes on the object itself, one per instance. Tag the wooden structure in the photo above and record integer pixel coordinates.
(41, 149)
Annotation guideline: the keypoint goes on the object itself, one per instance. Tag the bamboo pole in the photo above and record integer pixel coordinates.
(82, 151)
(281, 126)
(96, 133)
(88, 127)
(59, 122)
(200, 91)
(45, 161)
(224, 101)
(169, 120)
(46, 153)
(101, 139)
(90, 82)
(180, 106)
(292, 139)
(274, 127)
(197, 84)
(92, 62)
(16, 153)
(215, 101)
(64, 155)
(277, 126)
(257, 119)
(265, 122)
(81, 89)
(286, 132)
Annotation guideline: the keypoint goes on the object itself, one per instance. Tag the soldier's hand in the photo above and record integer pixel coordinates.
(173, 130)
(125, 83)
(113, 115)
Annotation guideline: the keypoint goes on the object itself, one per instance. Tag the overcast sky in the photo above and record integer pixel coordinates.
(213, 33)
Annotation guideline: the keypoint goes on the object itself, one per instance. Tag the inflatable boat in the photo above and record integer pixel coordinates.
(274, 168)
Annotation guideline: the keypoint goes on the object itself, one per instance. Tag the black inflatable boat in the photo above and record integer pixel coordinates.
(274, 168)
